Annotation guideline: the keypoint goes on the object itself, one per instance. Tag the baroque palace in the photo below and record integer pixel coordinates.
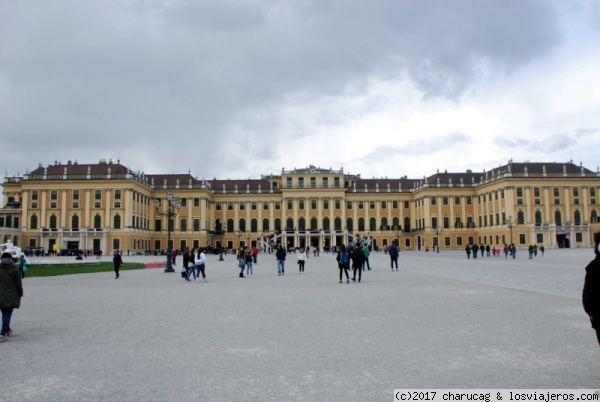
(106, 206)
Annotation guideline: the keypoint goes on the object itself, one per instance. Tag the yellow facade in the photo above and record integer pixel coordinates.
(106, 206)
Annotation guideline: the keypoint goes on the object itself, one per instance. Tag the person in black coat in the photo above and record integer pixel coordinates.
(591, 288)
(357, 255)
(117, 262)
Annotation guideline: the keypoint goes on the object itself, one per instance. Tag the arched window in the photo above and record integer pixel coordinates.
(97, 222)
(265, 226)
(326, 224)
(373, 224)
(384, 224)
(313, 224)
(117, 222)
(75, 222)
(277, 224)
(406, 227)
(52, 221)
(520, 218)
(577, 218)
(33, 222)
(538, 218)
(558, 218)
(230, 225)
(242, 225)
(301, 224)
(337, 223)
(349, 224)
(361, 224)
(253, 225)
(594, 217)
(289, 224)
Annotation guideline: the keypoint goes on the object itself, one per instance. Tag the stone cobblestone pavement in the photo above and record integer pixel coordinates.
(439, 322)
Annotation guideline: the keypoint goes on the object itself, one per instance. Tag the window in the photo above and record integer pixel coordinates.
(371, 204)
(577, 217)
(469, 200)
(313, 224)
(97, 204)
(406, 204)
(158, 225)
(336, 182)
(434, 222)
(313, 203)
(348, 205)
(361, 224)
(116, 244)
(289, 182)
(265, 206)
(301, 182)
(97, 194)
(117, 194)
(301, 225)
(536, 191)
(337, 224)
(183, 224)
(313, 182)
(458, 223)
(578, 237)
(277, 224)
(277, 205)
(33, 222)
(522, 239)
(325, 203)
(557, 201)
(459, 241)
(556, 192)
(519, 191)
(53, 205)
(350, 224)
(446, 222)
(196, 225)
(34, 195)
(576, 201)
(537, 201)
(300, 204)
(265, 225)
(242, 206)
(230, 206)
(289, 224)
(520, 218)
(218, 206)
(54, 194)
(325, 182)
(97, 222)
(253, 205)
(326, 224)
(434, 200)
(196, 201)
(558, 218)
(290, 204)
(361, 205)
(457, 201)
(75, 194)
(445, 200)
(395, 204)
(575, 192)
(183, 202)
(383, 204)
(254, 226)
(242, 225)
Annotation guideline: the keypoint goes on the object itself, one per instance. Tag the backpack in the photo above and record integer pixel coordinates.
(343, 257)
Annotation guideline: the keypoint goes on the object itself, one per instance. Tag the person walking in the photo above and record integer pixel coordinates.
(301, 255)
(280, 256)
(191, 267)
(22, 266)
(200, 265)
(117, 262)
(343, 260)
(255, 252)
(366, 252)
(11, 291)
(468, 251)
(393, 252)
(186, 261)
(241, 257)
(475, 251)
(357, 256)
(591, 288)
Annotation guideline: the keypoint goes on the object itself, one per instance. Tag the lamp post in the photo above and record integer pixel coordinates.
(438, 230)
(173, 205)
(510, 224)
(220, 231)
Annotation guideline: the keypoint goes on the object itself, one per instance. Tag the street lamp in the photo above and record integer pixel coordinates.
(220, 231)
(510, 224)
(173, 205)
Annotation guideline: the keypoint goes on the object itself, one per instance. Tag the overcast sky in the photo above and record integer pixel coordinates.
(236, 89)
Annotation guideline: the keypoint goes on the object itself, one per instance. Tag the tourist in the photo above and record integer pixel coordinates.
(255, 252)
(191, 266)
(301, 255)
(343, 260)
(248, 261)
(241, 258)
(117, 262)
(22, 266)
(475, 250)
(468, 251)
(357, 256)
(367, 252)
(591, 288)
(200, 264)
(280, 256)
(393, 251)
(11, 291)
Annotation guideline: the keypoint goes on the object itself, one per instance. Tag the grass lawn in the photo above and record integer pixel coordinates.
(55, 270)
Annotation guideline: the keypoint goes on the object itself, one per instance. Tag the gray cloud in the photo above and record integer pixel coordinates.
(160, 84)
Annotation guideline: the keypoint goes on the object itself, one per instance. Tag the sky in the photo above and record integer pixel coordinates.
(239, 89)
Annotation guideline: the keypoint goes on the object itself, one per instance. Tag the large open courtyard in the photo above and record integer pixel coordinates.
(441, 321)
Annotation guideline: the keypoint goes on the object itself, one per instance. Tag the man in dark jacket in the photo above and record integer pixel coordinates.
(11, 291)
(358, 259)
(591, 288)
(280, 256)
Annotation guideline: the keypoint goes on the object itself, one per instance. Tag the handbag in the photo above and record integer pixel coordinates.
(24, 267)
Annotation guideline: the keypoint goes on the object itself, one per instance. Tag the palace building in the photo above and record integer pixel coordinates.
(106, 206)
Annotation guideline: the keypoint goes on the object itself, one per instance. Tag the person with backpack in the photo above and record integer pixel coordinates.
(358, 259)
(393, 252)
(343, 260)
(200, 264)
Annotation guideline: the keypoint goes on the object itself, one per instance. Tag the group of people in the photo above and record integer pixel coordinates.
(194, 264)
(509, 249)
